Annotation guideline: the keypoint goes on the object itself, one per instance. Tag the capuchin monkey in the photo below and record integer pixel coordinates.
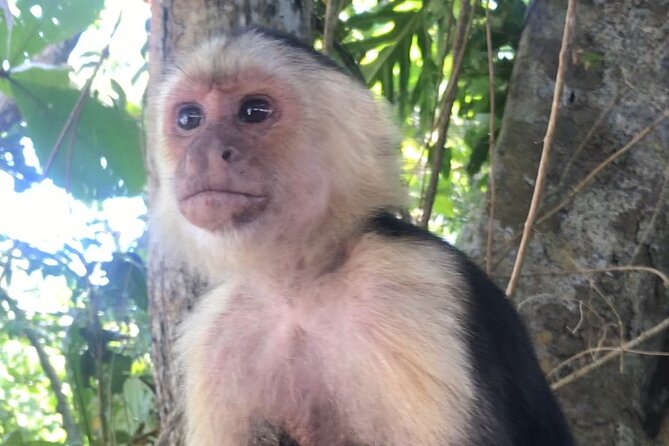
(329, 322)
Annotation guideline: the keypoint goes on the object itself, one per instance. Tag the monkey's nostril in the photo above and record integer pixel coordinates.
(227, 155)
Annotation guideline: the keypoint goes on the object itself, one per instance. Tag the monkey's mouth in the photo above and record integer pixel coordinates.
(213, 193)
(216, 209)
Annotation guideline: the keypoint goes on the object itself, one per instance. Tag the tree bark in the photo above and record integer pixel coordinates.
(617, 83)
(179, 25)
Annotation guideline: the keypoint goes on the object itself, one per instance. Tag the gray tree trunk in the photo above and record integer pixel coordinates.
(617, 83)
(179, 25)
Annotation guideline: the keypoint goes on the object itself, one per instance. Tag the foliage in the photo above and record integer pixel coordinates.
(96, 333)
(75, 368)
(88, 148)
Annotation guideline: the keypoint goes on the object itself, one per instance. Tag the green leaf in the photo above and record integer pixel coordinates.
(16, 439)
(375, 68)
(369, 43)
(100, 156)
(121, 101)
(591, 59)
(424, 40)
(479, 155)
(388, 81)
(80, 368)
(141, 70)
(43, 23)
(403, 33)
(404, 64)
(446, 164)
(443, 204)
(138, 399)
(127, 280)
(120, 370)
(384, 13)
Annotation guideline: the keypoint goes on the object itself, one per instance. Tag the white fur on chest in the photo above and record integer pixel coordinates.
(348, 353)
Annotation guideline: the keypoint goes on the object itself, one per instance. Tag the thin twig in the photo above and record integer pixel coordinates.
(589, 351)
(462, 26)
(417, 168)
(633, 268)
(330, 26)
(491, 143)
(70, 149)
(545, 153)
(580, 319)
(441, 57)
(575, 375)
(607, 301)
(62, 406)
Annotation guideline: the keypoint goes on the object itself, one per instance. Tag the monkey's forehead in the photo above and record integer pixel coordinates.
(252, 49)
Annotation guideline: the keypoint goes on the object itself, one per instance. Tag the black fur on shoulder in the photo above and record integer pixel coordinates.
(507, 374)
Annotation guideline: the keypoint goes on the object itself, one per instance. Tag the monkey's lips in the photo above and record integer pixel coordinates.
(214, 209)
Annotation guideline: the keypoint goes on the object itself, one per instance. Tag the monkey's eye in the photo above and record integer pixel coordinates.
(255, 110)
(189, 117)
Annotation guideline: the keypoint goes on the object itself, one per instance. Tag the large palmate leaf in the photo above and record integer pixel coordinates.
(400, 33)
(43, 23)
(100, 155)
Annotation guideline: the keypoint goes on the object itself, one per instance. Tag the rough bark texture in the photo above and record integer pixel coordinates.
(619, 76)
(178, 25)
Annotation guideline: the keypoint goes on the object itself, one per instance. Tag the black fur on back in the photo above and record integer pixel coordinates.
(507, 374)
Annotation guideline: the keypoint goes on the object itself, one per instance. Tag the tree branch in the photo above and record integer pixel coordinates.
(545, 153)
(330, 26)
(491, 144)
(462, 26)
(589, 351)
(577, 374)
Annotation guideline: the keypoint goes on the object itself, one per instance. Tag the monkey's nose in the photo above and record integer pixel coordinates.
(230, 154)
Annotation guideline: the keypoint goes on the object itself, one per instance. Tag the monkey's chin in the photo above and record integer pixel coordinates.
(219, 211)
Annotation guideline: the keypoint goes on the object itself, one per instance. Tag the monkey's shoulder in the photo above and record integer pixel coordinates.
(435, 262)
(501, 359)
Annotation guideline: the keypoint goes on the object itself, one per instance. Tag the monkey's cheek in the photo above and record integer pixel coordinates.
(220, 211)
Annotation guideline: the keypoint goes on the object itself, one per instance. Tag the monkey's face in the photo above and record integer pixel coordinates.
(229, 148)
(260, 140)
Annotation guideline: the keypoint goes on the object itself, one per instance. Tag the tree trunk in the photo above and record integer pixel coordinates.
(617, 83)
(178, 25)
